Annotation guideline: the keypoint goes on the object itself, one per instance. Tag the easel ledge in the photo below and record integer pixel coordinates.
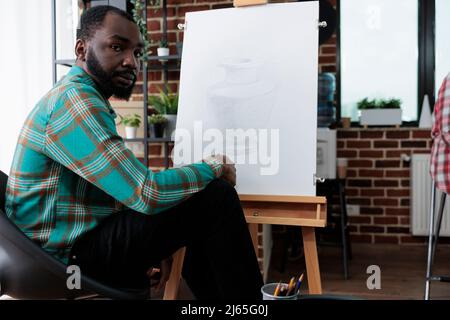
(307, 211)
(273, 198)
(244, 3)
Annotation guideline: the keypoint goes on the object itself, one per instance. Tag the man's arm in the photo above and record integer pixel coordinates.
(81, 135)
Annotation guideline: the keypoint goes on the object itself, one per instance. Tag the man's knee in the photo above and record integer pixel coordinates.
(222, 207)
(221, 189)
(224, 199)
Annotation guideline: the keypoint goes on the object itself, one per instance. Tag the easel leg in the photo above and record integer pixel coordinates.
(172, 285)
(253, 228)
(312, 261)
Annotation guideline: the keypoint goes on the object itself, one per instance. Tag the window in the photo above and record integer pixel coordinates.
(26, 67)
(442, 50)
(379, 53)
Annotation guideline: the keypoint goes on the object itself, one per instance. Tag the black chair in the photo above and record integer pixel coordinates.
(337, 226)
(28, 272)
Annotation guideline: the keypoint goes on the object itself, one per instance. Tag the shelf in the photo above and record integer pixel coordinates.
(169, 57)
(149, 140)
(165, 139)
(134, 140)
(71, 62)
(163, 67)
(65, 62)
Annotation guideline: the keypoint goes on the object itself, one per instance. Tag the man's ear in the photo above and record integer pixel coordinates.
(80, 50)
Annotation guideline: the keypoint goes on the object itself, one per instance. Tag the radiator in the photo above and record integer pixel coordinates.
(421, 198)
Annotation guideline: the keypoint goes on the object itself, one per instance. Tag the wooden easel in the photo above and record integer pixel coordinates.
(173, 283)
(306, 212)
(245, 3)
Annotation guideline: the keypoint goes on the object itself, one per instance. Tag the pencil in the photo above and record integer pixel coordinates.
(277, 290)
(299, 282)
(291, 286)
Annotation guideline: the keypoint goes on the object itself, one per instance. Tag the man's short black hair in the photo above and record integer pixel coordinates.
(92, 19)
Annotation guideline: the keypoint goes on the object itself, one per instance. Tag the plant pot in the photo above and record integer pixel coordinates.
(163, 52)
(380, 117)
(171, 124)
(130, 132)
(158, 130)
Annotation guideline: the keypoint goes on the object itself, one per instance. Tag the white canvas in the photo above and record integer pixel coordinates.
(255, 69)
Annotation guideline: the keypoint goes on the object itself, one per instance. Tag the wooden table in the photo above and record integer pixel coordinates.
(306, 212)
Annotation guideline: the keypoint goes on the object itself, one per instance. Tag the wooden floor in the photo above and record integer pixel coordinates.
(402, 271)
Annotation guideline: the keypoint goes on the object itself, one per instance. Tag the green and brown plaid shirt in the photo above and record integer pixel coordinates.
(71, 169)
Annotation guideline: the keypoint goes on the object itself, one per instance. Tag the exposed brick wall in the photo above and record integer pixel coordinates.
(327, 52)
(379, 181)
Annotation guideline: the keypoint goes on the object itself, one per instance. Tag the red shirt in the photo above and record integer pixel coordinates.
(440, 151)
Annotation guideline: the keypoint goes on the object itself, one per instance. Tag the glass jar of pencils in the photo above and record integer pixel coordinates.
(268, 292)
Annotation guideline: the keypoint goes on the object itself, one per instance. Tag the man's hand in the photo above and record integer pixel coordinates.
(229, 168)
(229, 173)
(164, 273)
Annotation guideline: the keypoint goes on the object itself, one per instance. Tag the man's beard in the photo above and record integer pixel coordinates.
(105, 79)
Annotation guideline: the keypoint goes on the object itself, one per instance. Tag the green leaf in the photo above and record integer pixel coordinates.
(131, 120)
(157, 118)
(379, 104)
(165, 103)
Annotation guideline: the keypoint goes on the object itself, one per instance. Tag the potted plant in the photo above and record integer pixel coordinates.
(166, 104)
(131, 123)
(380, 112)
(163, 49)
(157, 122)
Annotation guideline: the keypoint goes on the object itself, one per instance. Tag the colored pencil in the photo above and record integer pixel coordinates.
(291, 286)
(299, 282)
(277, 290)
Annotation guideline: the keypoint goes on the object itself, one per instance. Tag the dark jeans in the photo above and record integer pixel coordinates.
(220, 261)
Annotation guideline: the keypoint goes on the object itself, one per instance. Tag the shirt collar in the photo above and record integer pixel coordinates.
(78, 74)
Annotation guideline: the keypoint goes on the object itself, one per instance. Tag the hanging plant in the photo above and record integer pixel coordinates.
(138, 16)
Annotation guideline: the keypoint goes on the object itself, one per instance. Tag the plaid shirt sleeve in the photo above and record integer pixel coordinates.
(441, 127)
(440, 150)
(81, 135)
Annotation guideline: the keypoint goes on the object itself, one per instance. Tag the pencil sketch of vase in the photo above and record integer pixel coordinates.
(244, 99)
